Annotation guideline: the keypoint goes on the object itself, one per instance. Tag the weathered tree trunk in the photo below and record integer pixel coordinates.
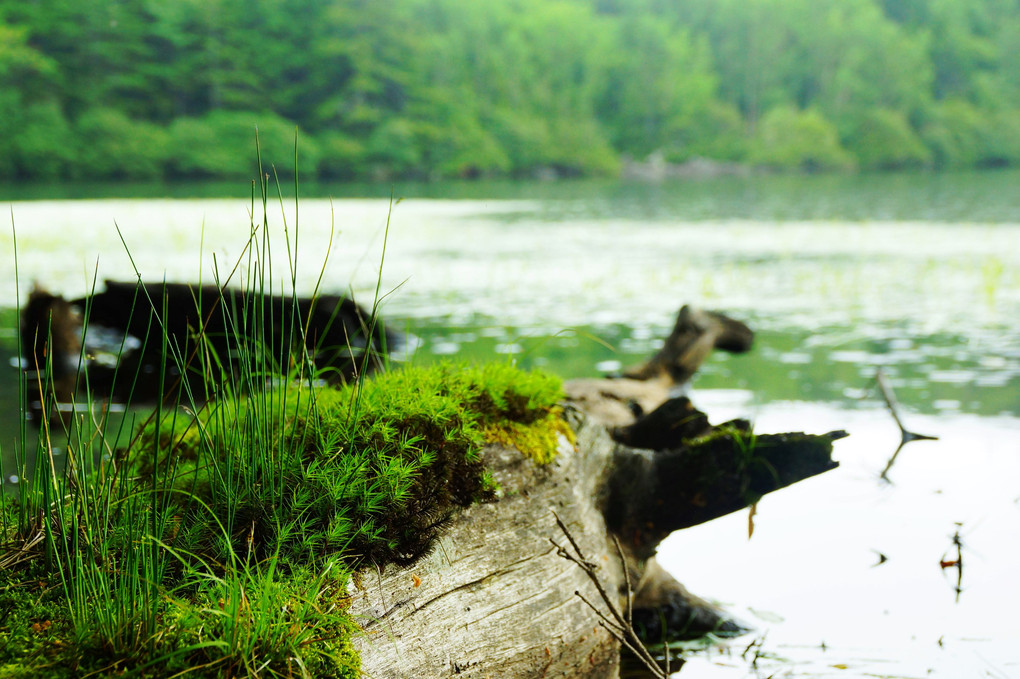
(497, 599)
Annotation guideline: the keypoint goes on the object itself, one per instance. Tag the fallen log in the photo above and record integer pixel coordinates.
(141, 342)
(497, 598)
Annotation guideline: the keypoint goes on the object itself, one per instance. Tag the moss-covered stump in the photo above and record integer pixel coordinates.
(498, 599)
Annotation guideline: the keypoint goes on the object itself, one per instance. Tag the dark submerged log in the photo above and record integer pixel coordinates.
(50, 346)
(209, 331)
(496, 599)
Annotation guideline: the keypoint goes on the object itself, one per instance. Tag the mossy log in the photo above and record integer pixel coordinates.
(496, 598)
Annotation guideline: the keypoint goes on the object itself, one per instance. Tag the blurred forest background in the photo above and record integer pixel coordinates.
(143, 89)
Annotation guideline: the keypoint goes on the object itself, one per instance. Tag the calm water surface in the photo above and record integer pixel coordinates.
(918, 275)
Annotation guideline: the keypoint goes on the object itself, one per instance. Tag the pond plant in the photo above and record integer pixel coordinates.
(222, 537)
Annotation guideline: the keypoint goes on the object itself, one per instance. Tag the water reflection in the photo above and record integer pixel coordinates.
(812, 562)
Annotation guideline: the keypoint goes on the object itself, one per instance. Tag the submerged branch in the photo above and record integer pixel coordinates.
(906, 436)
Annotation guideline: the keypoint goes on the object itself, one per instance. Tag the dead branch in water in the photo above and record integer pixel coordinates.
(906, 436)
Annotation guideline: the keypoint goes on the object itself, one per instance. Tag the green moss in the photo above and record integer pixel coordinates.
(537, 440)
(371, 471)
(34, 625)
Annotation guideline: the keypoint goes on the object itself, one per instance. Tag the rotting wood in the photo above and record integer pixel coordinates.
(495, 599)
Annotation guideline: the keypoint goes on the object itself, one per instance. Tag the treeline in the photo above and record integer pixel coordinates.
(104, 89)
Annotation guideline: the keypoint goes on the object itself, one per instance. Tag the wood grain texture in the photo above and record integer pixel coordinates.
(495, 599)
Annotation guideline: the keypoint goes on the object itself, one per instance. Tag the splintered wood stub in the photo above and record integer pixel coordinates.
(694, 335)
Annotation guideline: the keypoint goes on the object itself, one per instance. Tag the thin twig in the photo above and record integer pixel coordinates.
(626, 581)
(617, 624)
(630, 597)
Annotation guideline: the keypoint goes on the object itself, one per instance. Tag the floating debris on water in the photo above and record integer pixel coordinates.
(947, 561)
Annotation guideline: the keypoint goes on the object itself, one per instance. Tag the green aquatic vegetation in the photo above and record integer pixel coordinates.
(992, 271)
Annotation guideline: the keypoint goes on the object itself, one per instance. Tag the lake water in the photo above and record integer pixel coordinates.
(918, 275)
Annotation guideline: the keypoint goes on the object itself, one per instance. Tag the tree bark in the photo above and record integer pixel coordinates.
(497, 599)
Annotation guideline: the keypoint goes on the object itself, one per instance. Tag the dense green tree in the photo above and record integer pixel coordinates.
(788, 138)
(112, 146)
(222, 144)
(436, 88)
(660, 87)
(841, 56)
(883, 139)
(961, 135)
(25, 73)
(44, 146)
(340, 156)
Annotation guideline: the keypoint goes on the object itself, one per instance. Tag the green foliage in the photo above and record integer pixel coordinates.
(340, 156)
(220, 143)
(25, 76)
(956, 133)
(393, 146)
(717, 133)
(10, 114)
(264, 620)
(21, 65)
(792, 139)
(44, 146)
(443, 88)
(883, 139)
(1002, 138)
(112, 146)
(215, 626)
(659, 87)
(961, 135)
